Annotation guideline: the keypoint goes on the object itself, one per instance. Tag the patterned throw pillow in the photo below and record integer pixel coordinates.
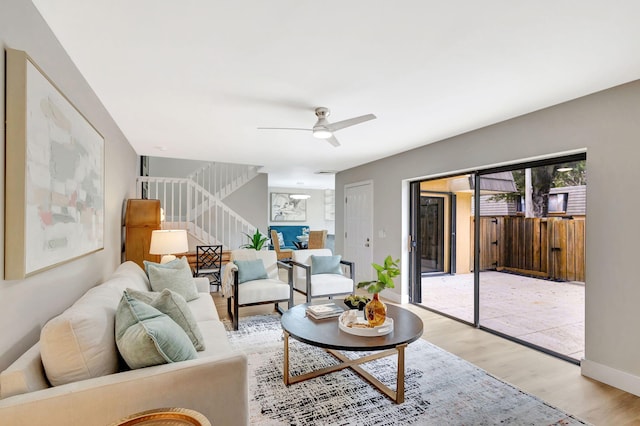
(175, 306)
(145, 336)
(177, 278)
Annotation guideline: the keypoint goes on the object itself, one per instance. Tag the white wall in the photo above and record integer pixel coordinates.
(315, 209)
(607, 125)
(26, 305)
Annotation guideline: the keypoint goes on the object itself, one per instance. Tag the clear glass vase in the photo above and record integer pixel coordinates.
(375, 311)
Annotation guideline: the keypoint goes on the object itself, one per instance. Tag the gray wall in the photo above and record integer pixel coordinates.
(173, 167)
(26, 305)
(315, 209)
(607, 125)
(250, 201)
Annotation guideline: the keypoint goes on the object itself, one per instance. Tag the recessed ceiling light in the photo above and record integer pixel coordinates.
(161, 148)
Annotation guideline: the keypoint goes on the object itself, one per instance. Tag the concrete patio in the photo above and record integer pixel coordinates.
(546, 313)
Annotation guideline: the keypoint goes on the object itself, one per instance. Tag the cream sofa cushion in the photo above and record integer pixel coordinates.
(79, 343)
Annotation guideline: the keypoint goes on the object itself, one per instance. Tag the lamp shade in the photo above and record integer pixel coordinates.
(167, 242)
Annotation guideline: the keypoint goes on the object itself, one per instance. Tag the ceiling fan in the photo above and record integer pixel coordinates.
(323, 129)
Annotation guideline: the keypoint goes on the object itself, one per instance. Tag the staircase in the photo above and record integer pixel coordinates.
(195, 203)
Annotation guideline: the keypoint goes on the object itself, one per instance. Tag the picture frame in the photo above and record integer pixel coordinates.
(284, 208)
(54, 187)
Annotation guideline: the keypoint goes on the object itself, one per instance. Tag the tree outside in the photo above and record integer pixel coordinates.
(541, 180)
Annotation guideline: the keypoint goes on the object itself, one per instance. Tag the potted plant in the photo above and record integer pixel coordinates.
(256, 241)
(376, 311)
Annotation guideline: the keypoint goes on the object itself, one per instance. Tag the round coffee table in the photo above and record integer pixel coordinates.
(407, 327)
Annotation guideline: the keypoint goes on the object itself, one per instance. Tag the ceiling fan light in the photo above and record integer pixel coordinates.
(322, 133)
(300, 196)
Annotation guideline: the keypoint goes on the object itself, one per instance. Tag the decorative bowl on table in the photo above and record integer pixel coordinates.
(356, 302)
(353, 322)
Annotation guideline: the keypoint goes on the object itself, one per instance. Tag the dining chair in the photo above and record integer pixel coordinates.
(280, 253)
(209, 263)
(317, 239)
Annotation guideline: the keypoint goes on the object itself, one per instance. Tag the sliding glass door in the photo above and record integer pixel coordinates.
(442, 246)
(504, 250)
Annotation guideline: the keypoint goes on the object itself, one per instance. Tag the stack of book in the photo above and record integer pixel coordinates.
(327, 310)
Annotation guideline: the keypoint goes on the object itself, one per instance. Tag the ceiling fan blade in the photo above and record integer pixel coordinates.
(333, 141)
(350, 122)
(282, 128)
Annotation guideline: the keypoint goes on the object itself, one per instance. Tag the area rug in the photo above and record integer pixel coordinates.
(440, 388)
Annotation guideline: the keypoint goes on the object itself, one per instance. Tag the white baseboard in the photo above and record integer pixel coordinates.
(616, 378)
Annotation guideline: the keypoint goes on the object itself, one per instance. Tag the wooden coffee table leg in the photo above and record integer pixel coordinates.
(400, 377)
(285, 369)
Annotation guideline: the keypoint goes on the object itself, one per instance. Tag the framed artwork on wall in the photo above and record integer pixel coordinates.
(54, 197)
(284, 208)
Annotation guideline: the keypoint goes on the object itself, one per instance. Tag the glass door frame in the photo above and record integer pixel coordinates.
(415, 275)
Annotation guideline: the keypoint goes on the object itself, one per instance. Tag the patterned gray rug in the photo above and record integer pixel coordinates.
(440, 388)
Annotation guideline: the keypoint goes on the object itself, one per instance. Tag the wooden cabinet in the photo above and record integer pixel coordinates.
(141, 218)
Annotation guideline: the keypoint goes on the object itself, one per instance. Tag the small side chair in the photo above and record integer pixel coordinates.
(255, 286)
(328, 280)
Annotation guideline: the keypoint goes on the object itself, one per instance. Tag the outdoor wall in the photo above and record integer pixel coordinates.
(26, 305)
(315, 209)
(604, 124)
(464, 236)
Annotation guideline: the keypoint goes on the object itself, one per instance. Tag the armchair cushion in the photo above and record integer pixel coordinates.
(249, 270)
(325, 264)
(145, 336)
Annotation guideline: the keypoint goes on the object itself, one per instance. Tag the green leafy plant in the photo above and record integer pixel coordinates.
(386, 273)
(256, 241)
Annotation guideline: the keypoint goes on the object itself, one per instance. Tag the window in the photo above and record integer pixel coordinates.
(558, 202)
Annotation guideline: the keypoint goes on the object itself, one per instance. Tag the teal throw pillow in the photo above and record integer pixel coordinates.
(175, 263)
(177, 278)
(175, 306)
(145, 336)
(249, 270)
(325, 264)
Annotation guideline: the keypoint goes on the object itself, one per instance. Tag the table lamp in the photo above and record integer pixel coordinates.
(166, 242)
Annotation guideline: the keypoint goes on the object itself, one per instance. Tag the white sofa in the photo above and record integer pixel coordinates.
(214, 384)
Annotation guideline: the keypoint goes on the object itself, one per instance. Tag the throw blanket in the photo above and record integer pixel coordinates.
(227, 277)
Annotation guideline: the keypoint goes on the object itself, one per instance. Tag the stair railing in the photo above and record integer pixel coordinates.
(188, 205)
(221, 179)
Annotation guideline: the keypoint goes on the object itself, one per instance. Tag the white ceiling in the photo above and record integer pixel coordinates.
(195, 78)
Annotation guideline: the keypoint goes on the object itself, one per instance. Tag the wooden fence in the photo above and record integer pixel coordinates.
(546, 247)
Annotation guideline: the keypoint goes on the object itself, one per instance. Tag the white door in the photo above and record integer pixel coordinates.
(358, 238)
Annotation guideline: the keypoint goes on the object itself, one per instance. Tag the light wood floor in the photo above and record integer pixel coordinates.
(555, 381)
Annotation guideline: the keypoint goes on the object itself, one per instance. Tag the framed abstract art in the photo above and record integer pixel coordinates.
(54, 194)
